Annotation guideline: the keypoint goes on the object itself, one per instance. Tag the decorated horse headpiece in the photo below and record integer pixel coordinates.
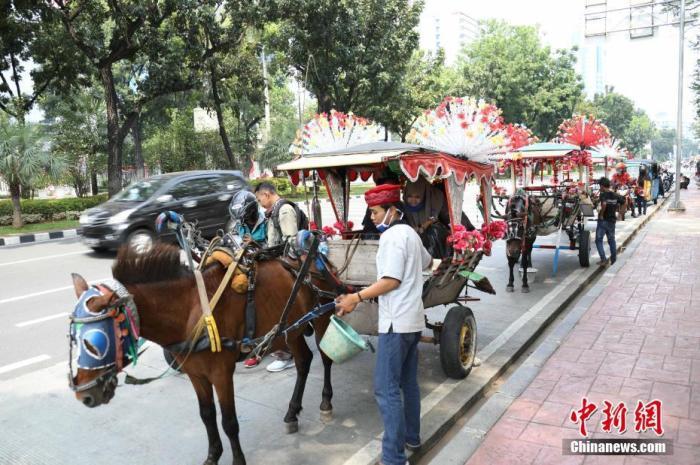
(104, 339)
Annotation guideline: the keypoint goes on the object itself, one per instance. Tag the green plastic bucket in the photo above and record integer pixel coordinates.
(341, 342)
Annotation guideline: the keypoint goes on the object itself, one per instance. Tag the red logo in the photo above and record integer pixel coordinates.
(646, 417)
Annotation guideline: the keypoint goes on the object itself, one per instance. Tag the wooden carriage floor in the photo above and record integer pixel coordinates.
(639, 340)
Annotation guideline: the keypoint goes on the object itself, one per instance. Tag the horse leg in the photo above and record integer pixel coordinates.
(327, 393)
(229, 420)
(207, 411)
(526, 263)
(302, 359)
(511, 278)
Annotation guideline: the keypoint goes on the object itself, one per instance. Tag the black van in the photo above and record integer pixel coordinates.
(129, 217)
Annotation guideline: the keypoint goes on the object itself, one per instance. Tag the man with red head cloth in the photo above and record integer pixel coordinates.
(401, 258)
(621, 178)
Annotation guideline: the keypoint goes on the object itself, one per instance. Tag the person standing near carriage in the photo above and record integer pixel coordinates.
(640, 190)
(282, 227)
(401, 258)
(607, 214)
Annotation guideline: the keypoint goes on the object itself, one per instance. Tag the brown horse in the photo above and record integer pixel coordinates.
(166, 298)
(523, 216)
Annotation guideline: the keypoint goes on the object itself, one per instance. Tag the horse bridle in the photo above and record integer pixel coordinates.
(515, 224)
(125, 306)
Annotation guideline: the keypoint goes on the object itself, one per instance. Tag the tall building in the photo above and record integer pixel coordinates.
(449, 29)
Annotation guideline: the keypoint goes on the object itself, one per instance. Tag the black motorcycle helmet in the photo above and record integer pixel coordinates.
(244, 207)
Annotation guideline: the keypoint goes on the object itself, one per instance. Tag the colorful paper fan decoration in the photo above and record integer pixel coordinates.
(461, 126)
(518, 135)
(327, 132)
(584, 131)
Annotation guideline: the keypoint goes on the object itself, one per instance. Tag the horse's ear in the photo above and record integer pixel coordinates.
(79, 284)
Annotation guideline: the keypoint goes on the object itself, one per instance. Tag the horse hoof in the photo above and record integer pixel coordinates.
(210, 461)
(326, 416)
(510, 289)
(525, 290)
(292, 427)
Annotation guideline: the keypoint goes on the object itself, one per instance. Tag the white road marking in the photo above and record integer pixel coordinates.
(41, 320)
(48, 291)
(48, 257)
(24, 363)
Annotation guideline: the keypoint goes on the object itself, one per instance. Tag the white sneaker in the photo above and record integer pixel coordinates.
(280, 365)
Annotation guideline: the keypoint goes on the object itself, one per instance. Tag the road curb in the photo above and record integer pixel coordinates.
(38, 237)
(443, 416)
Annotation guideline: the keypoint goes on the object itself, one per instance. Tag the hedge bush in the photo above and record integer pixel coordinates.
(47, 208)
(283, 185)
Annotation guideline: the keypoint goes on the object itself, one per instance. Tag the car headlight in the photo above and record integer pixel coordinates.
(84, 219)
(121, 216)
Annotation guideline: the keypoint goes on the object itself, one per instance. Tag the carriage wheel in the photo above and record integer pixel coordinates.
(458, 342)
(584, 248)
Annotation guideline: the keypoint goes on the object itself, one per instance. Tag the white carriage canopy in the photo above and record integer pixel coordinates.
(338, 168)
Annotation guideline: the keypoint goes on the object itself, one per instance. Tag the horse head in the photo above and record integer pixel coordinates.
(516, 215)
(102, 331)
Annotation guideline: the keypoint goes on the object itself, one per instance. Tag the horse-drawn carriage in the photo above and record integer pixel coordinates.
(539, 206)
(355, 256)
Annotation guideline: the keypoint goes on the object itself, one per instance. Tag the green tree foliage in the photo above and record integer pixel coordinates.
(78, 128)
(350, 54)
(425, 83)
(665, 140)
(24, 160)
(638, 133)
(29, 33)
(509, 66)
(616, 111)
(176, 146)
(153, 42)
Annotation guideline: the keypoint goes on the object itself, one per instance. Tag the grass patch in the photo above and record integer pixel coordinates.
(38, 227)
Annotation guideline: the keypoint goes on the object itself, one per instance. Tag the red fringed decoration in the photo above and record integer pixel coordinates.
(584, 131)
(519, 136)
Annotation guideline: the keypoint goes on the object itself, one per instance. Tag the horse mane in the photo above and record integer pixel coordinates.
(161, 263)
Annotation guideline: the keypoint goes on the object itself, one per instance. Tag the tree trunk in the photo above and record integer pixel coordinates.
(114, 145)
(220, 118)
(93, 181)
(138, 153)
(16, 206)
(324, 104)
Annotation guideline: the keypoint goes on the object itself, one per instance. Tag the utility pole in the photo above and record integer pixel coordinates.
(677, 205)
(657, 13)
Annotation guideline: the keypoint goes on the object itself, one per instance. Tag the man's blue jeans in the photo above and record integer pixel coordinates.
(606, 228)
(396, 371)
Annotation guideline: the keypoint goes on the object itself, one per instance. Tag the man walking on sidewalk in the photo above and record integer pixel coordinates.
(607, 213)
(401, 258)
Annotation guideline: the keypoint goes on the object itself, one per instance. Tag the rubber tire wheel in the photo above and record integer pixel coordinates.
(584, 248)
(138, 232)
(458, 342)
(170, 360)
(100, 249)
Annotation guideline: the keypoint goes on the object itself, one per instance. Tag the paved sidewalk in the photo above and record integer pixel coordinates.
(639, 340)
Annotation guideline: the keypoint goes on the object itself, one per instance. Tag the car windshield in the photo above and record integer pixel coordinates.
(139, 191)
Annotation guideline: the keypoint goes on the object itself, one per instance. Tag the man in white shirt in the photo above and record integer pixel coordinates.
(401, 258)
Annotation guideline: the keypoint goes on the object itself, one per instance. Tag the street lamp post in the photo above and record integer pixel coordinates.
(677, 205)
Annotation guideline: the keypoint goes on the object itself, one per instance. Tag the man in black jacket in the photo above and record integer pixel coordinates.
(607, 214)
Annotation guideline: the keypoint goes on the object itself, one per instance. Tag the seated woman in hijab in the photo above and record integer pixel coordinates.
(427, 213)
